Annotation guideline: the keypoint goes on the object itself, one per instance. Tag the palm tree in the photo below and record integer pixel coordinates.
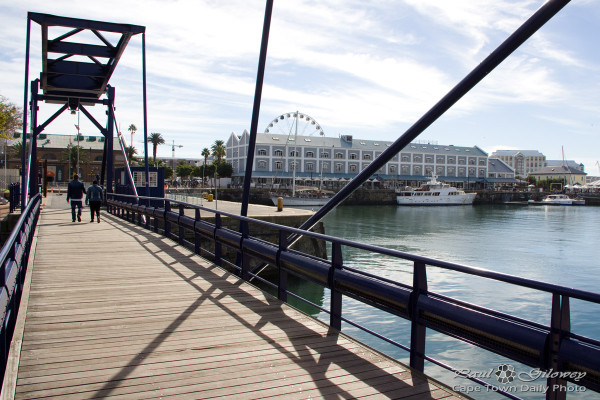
(130, 151)
(71, 155)
(205, 153)
(218, 150)
(156, 139)
(132, 128)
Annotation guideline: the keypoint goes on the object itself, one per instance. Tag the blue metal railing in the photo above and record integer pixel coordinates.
(14, 196)
(547, 347)
(13, 264)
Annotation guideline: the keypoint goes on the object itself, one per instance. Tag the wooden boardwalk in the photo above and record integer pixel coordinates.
(115, 311)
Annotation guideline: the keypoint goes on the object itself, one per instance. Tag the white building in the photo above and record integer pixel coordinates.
(320, 158)
(524, 162)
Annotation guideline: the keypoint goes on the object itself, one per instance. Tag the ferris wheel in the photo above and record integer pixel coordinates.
(293, 123)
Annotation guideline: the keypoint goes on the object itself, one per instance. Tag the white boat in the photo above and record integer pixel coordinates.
(304, 197)
(434, 193)
(558, 200)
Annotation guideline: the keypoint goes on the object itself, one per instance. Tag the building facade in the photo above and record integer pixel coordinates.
(52, 149)
(278, 158)
(524, 162)
(569, 175)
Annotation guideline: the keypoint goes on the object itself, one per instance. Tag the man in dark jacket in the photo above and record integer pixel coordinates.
(94, 197)
(75, 192)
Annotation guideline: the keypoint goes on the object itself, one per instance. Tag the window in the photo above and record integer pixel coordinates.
(392, 169)
(339, 167)
(324, 155)
(294, 153)
(417, 170)
(339, 155)
(293, 165)
(310, 166)
(405, 157)
(278, 153)
(353, 156)
(278, 165)
(262, 164)
(310, 154)
(139, 178)
(261, 152)
(325, 166)
(353, 168)
(366, 156)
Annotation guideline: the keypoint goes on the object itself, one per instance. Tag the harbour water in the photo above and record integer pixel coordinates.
(559, 245)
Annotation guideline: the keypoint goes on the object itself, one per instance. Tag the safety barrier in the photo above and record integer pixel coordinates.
(13, 261)
(549, 348)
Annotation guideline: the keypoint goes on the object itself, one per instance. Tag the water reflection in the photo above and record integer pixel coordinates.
(558, 245)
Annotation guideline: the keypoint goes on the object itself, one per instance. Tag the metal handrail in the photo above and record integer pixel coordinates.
(551, 347)
(14, 256)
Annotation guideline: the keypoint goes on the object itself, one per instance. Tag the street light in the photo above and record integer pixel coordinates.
(77, 126)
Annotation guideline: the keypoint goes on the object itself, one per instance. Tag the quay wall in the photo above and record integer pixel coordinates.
(378, 197)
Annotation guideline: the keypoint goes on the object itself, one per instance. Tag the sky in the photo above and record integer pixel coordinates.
(370, 69)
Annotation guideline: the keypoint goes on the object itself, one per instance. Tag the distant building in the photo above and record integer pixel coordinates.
(53, 149)
(330, 159)
(568, 163)
(568, 175)
(499, 169)
(524, 162)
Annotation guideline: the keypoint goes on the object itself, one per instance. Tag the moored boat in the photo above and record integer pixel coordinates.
(434, 193)
(558, 200)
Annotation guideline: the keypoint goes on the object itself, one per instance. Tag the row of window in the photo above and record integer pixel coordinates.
(392, 169)
(367, 156)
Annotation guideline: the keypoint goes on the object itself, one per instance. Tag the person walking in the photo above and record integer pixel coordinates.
(75, 192)
(94, 197)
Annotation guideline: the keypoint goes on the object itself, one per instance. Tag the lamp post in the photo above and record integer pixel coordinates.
(77, 126)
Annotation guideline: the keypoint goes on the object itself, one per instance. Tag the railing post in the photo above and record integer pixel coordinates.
(282, 278)
(167, 223)
(335, 314)
(417, 330)
(181, 230)
(218, 246)
(245, 262)
(197, 242)
(560, 324)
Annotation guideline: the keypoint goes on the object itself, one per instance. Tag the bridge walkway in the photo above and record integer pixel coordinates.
(115, 311)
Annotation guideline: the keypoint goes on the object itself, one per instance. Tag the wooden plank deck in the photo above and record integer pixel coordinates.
(115, 311)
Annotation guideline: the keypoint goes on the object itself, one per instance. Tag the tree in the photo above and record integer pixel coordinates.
(156, 139)
(130, 151)
(10, 118)
(184, 170)
(205, 153)
(74, 153)
(168, 172)
(132, 128)
(225, 170)
(17, 148)
(218, 151)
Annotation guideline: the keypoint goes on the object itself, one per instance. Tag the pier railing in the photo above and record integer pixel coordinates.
(550, 347)
(13, 265)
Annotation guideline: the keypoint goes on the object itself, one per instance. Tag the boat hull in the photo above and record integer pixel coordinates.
(456, 200)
